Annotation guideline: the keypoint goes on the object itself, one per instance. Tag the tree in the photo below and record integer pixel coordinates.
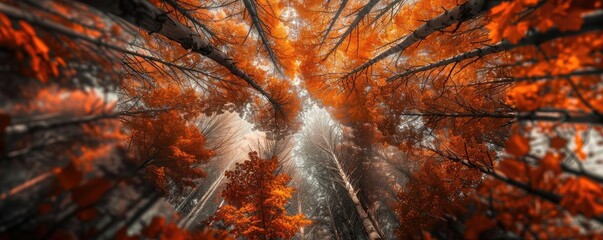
(167, 146)
(71, 62)
(323, 144)
(446, 119)
(255, 197)
(436, 102)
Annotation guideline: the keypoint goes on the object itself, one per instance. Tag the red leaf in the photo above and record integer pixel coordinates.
(44, 208)
(122, 234)
(551, 162)
(69, 176)
(558, 143)
(91, 192)
(87, 215)
(512, 168)
(518, 145)
(476, 225)
(155, 228)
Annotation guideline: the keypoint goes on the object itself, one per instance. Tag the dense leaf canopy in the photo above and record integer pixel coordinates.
(301, 119)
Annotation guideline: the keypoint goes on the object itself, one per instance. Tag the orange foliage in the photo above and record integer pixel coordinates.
(582, 195)
(168, 148)
(453, 121)
(518, 145)
(280, 119)
(431, 195)
(255, 200)
(28, 47)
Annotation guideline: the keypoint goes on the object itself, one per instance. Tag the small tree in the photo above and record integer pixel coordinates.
(255, 201)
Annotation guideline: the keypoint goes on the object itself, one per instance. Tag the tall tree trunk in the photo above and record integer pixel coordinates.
(367, 224)
(300, 211)
(104, 231)
(186, 221)
(45, 124)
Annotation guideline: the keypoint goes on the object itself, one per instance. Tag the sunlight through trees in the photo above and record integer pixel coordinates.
(301, 119)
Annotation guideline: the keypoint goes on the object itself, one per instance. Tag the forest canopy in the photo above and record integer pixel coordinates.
(301, 119)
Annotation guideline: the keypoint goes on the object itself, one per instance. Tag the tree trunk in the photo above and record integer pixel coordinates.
(45, 124)
(104, 231)
(186, 221)
(367, 224)
(300, 211)
(542, 116)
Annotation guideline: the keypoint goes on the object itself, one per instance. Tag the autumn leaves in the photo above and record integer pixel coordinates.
(491, 111)
(116, 108)
(255, 197)
(476, 79)
(29, 47)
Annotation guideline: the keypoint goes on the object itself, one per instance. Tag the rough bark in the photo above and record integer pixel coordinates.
(45, 124)
(546, 116)
(509, 80)
(369, 228)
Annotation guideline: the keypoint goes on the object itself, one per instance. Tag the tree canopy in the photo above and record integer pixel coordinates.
(301, 119)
